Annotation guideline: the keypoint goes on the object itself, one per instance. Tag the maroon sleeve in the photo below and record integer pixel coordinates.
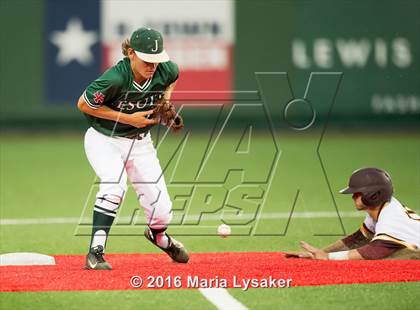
(355, 240)
(379, 249)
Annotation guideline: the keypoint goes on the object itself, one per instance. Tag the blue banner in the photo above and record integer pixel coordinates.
(72, 48)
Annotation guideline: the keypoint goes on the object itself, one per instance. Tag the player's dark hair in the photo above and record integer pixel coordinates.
(125, 46)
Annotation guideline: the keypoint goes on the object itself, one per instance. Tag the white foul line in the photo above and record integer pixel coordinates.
(221, 298)
(191, 217)
(39, 221)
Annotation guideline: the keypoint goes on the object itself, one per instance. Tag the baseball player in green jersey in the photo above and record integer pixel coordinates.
(119, 106)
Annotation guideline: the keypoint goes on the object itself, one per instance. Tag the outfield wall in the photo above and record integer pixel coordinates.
(372, 46)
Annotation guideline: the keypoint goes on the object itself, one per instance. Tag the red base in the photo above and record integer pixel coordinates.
(69, 275)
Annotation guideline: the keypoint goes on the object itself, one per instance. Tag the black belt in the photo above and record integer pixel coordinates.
(137, 136)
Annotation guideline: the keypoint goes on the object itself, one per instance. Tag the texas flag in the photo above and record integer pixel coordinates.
(73, 48)
(83, 39)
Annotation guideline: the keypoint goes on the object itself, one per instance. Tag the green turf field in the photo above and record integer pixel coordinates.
(44, 177)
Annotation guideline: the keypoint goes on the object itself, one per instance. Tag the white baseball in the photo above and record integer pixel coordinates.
(223, 230)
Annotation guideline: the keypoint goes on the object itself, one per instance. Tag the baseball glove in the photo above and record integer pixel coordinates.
(166, 115)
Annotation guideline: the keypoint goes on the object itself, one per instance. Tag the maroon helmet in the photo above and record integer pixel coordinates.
(374, 184)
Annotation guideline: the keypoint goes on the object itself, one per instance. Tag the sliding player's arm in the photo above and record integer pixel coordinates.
(376, 249)
(356, 240)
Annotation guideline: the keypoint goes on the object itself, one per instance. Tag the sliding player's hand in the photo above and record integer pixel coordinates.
(313, 252)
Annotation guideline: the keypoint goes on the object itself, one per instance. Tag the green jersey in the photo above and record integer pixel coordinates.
(117, 90)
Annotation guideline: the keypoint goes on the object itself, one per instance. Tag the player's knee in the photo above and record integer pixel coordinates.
(110, 198)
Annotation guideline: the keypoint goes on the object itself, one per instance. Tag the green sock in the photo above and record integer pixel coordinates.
(100, 228)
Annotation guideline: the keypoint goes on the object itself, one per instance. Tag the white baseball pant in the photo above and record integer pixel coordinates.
(116, 158)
